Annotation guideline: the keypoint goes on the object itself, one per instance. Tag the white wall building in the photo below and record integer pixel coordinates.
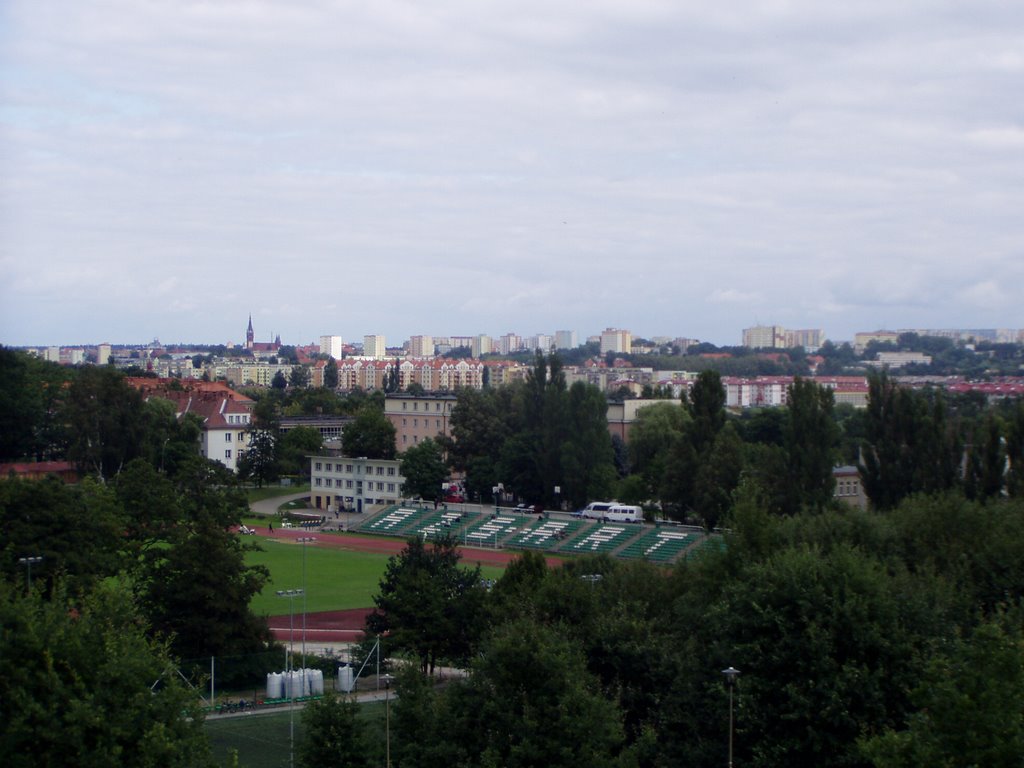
(374, 347)
(566, 340)
(616, 340)
(331, 345)
(354, 484)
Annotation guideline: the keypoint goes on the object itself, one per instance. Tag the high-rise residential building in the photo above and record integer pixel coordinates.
(421, 346)
(861, 340)
(103, 353)
(509, 343)
(616, 340)
(566, 340)
(542, 341)
(482, 345)
(373, 346)
(53, 354)
(331, 345)
(764, 337)
(810, 339)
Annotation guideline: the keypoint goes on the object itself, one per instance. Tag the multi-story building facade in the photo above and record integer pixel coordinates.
(374, 347)
(764, 337)
(421, 346)
(509, 343)
(616, 340)
(566, 340)
(354, 484)
(861, 340)
(481, 345)
(416, 418)
(331, 345)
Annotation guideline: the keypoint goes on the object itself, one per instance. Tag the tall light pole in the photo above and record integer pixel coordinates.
(730, 681)
(291, 594)
(304, 540)
(28, 562)
(387, 721)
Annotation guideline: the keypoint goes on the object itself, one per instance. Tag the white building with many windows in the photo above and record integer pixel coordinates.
(355, 485)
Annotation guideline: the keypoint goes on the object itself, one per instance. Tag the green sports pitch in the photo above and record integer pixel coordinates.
(334, 579)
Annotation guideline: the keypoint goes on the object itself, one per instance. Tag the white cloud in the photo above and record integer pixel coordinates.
(673, 168)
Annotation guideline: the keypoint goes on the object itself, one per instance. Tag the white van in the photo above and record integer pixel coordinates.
(612, 511)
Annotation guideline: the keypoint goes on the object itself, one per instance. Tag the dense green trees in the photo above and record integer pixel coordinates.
(370, 434)
(424, 470)
(428, 605)
(83, 685)
(535, 437)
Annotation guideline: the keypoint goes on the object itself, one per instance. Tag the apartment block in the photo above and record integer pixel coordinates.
(374, 347)
(616, 340)
(421, 346)
(416, 418)
(331, 345)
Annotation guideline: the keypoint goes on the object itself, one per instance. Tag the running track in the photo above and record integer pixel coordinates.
(347, 626)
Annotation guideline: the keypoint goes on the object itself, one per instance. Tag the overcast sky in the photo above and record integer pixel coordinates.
(452, 168)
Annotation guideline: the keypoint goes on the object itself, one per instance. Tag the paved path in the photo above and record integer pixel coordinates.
(271, 505)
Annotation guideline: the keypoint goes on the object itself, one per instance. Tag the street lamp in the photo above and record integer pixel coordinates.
(387, 721)
(28, 562)
(730, 681)
(304, 540)
(291, 594)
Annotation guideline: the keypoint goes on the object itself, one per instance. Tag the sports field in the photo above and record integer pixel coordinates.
(337, 575)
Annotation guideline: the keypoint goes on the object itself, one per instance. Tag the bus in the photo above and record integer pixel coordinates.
(612, 512)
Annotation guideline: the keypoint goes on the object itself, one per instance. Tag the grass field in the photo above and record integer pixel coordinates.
(273, 491)
(336, 579)
(262, 740)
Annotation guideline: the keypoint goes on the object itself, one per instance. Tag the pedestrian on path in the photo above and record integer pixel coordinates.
(271, 526)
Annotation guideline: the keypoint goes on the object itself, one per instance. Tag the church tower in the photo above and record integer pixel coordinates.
(249, 336)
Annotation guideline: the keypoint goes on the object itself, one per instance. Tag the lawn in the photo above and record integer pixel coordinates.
(273, 491)
(336, 579)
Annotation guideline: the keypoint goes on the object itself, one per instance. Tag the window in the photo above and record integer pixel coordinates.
(404, 422)
(404, 404)
(328, 467)
(227, 437)
(405, 439)
(348, 468)
(437, 423)
(380, 486)
(348, 483)
(415, 422)
(318, 482)
(437, 406)
(415, 406)
(380, 470)
(391, 471)
(318, 466)
(241, 437)
(391, 487)
(327, 482)
(227, 454)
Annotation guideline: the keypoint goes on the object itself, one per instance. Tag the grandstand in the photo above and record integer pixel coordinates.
(603, 538)
(394, 521)
(660, 545)
(711, 543)
(441, 523)
(491, 531)
(545, 535)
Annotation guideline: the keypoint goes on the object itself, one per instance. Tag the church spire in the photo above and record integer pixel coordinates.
(249, 335)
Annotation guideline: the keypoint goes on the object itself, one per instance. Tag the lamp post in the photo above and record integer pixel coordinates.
(291, 594)
(304, 540)
(387, 721)
(730, 681)
(28, 562)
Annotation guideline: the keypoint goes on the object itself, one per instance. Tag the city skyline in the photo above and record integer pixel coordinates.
(397, 169)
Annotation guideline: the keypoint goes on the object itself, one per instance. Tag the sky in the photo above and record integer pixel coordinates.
(453, 167)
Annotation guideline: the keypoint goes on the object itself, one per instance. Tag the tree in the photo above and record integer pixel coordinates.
(428, 605)
(331, 374)
(279, 382)
(28, 388)
(82, 684)
(718, 476)
(968, 706)
(529, 701)
(910, 448)
(295, 446)
(657, 428)
(333, 736)
(370, 434)
(1015, 452)
(299, 377)
(986, 461)
(105, 421)
(811, 438)
(259, 461)
(586, 461)
(76, 530)
(424, 470)
(197, 591)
